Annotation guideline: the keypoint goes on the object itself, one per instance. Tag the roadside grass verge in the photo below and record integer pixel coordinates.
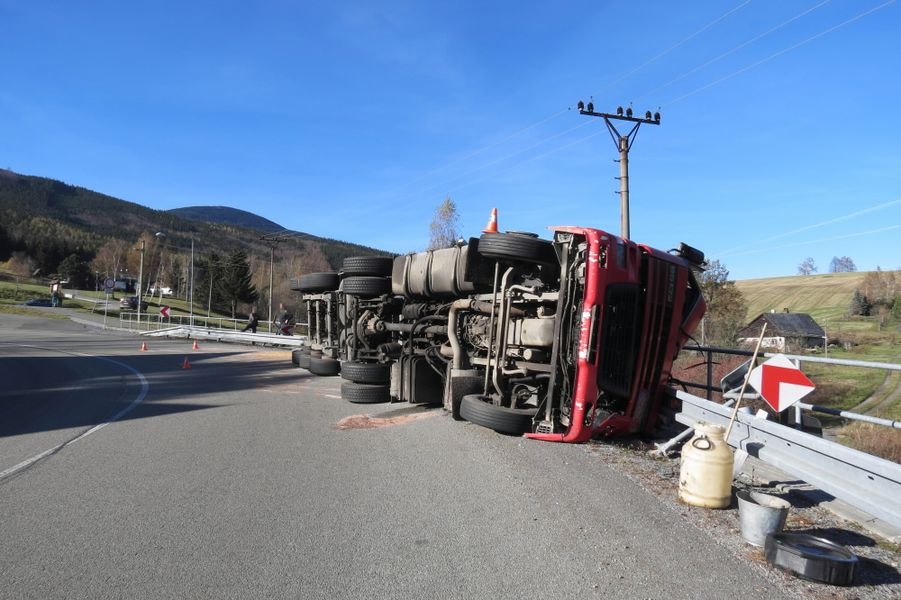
(872, 439)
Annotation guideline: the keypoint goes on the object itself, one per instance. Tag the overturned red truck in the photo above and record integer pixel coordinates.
(562, 340)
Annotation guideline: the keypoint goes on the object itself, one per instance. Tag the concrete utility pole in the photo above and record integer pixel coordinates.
(140, 281)
(623, 144)
(273, 239)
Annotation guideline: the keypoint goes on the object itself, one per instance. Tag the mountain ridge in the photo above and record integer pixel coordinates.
(229, 215)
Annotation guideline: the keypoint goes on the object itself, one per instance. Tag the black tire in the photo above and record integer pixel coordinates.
(303, 361)
(366, 286)
(324, 366)
(367, 265)
(517, 246)
(362, 372)
(364, 393)
(318, 282)
(295, 356)
(476, 409)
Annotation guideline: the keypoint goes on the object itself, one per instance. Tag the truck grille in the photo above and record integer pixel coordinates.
(619, 339)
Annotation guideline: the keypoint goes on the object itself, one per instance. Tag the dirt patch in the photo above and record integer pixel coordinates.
(369, 422)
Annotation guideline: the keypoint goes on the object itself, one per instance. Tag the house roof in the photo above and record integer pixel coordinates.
(784, 324)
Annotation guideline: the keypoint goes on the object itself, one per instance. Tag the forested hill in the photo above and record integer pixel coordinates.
(44, 222)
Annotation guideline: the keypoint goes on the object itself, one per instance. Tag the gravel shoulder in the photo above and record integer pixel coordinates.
(876, 544)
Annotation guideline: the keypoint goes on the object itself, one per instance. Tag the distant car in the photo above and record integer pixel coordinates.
(38, 302)
(131, 302)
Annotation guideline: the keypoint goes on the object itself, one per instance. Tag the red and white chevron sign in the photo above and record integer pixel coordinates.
(780, 382)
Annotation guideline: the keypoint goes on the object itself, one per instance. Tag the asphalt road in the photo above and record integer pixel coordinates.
(241, 477)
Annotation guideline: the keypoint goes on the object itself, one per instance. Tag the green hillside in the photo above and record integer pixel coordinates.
(825, 297)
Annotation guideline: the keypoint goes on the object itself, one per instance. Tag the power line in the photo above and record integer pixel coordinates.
(676, 45)
(780, 53)
(832, 221)
(819, 241)
(483, 167)
(738, 47)
(552, 116)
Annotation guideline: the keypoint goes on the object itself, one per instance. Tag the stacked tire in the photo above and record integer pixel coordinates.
(366, 276)
(313, 286)
(366, 382)
(364, 279)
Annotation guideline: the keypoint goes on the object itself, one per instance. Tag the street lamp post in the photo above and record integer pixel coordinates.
(159, 271)
(271, 263)
(191, 287)
(140, 282)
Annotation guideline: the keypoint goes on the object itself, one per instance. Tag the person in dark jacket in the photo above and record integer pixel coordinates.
(253, 321)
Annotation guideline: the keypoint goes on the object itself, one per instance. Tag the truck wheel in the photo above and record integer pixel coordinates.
(361, 372)
(517, 246)
(367, 265)
(324, 366)
(366, 286)
(364, 393)
(318, 282)
(475, 408)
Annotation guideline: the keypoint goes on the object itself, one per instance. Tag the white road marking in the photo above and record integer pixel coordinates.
(140, 398)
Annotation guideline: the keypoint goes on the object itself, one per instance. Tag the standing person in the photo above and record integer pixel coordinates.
(252, 322)
(284, 321)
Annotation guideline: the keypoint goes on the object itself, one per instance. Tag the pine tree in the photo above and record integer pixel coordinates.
(860, 306)
(235, 282)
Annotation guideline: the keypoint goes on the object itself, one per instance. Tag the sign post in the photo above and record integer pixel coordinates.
(108, 288)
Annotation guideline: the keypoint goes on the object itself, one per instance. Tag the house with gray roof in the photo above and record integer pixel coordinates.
(785, 331)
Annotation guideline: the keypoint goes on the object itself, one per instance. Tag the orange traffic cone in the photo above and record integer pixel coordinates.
(491, 227)
(195, 346)
(143, 346)
(186, 364)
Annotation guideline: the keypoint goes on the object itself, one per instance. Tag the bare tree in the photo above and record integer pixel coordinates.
(807, 267)
(444, 229)
(726, 306)
(842, 265)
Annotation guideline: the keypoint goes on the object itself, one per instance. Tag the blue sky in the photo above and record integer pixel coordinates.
(779, 138)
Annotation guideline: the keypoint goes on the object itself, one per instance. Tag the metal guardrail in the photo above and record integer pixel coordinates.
(155, 322)
(710, 388)
(709, 351)
(867, 482)
(228, 335)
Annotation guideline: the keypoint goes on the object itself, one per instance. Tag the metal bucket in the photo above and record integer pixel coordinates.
(760, 514)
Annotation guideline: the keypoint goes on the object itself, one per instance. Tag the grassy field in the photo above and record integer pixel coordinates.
(13, 295)
(824, 297)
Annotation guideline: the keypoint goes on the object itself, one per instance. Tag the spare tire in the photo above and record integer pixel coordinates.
(366, 286)
(364, 393)
(517, 246)
(324, 366)
(367, 265)
(318, 282)
(477, 409)
(362, 372)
